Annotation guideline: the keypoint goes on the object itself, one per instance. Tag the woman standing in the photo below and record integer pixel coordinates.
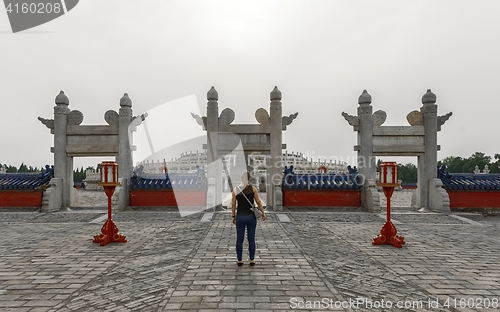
(245, 194)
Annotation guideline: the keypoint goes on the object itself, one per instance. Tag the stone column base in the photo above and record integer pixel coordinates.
(370, 197)
(439, 201)
(52, 196)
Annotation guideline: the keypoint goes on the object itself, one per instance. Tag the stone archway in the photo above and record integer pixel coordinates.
(74, 140)
(419, 139)
(262, 138)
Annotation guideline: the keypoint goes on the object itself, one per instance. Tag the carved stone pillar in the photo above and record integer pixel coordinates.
(125, 165)
(276, 168)
(366, 161)
(214, 166)
(429, 170)
(61, 164)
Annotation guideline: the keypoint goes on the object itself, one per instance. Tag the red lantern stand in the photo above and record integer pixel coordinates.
(109, 180)
(388, 180)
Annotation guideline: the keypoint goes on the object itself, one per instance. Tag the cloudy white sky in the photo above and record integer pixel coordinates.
(320, 54)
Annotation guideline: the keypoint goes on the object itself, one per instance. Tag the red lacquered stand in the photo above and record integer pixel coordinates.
(388, 233)
(109, 181)
(109, 231)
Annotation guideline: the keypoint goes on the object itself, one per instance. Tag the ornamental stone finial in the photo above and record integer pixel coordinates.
(365, 98)
(379, 117)
(226, 116)
(61, 98)
(262, 116)
(125, 101)
(287, 120)
(212, 94)
(352, 120)
(415, 118)
(429, 97)
(276, 94)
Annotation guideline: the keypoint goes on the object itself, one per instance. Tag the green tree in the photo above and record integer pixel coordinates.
(11, 169)
(494, 166)
(477, 159)
(454, 164)
(407, 173)
(78, 175)
(31, 169)
(22, 168)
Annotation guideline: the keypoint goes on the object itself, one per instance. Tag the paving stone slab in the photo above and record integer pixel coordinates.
(227, 216)
(49, 263)
(332, 217)
(433, 218)
(154, 217)
(38, 217)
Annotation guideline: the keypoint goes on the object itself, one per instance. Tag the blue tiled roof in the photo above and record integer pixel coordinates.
(469, 181)
(322, 181)
(24, 181)
(181, 181)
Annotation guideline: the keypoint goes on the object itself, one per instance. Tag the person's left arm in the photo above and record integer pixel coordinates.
(259, 203)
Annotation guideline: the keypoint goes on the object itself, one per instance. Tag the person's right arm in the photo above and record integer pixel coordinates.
(233, 207)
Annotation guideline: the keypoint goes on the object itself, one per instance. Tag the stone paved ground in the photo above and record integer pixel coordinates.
(49, 263)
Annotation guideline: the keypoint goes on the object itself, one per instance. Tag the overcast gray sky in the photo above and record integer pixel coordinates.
(320, 54)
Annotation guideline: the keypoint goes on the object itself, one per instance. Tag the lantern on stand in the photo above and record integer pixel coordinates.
(108, 174)
(388, 180)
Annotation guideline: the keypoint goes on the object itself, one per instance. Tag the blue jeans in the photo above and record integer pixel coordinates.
(250, 222)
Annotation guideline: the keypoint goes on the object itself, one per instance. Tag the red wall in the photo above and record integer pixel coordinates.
(321, 198)
(474, 199)
(28, 198)
(167, 198)
(409, 187)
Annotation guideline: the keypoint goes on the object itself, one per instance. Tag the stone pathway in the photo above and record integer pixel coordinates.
(305, 261)
(399, 199)
(213, 281)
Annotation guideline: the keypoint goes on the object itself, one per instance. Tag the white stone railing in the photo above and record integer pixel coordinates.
(91, 179)
(189, 161)
(185, 162)
(485, 170)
